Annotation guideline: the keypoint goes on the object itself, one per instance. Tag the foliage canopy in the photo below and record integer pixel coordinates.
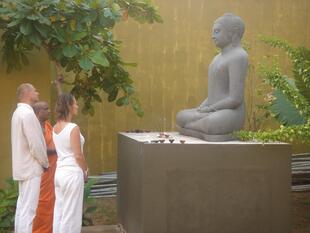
(77, 35)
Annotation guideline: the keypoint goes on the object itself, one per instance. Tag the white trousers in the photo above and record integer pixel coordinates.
(27, 203)
(69, 190)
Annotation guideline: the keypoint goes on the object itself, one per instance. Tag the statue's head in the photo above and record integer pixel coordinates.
(227, 29)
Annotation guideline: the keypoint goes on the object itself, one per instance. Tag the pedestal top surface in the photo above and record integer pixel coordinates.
(155, 137)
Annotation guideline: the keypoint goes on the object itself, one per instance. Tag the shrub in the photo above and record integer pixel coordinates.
(291, 102)
(8, 199)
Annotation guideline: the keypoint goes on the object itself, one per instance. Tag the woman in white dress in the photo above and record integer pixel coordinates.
(71, 171)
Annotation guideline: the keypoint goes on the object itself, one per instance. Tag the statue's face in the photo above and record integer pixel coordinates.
(220, 35)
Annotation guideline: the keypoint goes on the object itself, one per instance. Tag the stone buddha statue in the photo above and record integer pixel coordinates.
(223, 111)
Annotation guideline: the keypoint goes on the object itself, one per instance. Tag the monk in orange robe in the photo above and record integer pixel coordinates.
(43, 222)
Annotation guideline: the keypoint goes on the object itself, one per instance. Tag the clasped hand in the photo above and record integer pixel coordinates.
(205, 109)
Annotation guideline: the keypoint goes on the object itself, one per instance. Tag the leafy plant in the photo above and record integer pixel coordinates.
(258, 112)
(89, 204)
(77, 36)
(291, 103)
(8, 199)
(284, 111)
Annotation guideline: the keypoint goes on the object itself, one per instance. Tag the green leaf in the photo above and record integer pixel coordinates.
(107, 13)
(122, 101)
(35, 39)
(302, 71)
(129, 89)
(136, 106)
(4, 11)
(115, 7)
(92, 16)
(57, 53)
(24, 59)
(71, 66)
(99, 58)
(112, 95)
(60, 35)
(97, 98)
(26, 28)
(106, 21)
(70, 51)
(78, 35)
(284, 110)
(41, 29)
(33, 17)
(14, 23)
(44, 20)
(91, 110)
(85, 63)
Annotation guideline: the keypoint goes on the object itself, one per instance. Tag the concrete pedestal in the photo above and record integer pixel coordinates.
(202, 187)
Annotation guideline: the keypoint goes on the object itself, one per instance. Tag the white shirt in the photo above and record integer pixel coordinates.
(28, 144)
(63, 147)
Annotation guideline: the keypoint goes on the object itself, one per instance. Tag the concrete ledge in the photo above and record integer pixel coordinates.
(203, 187)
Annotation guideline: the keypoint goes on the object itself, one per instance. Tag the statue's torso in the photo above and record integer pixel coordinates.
(218, 79)
(218, 74)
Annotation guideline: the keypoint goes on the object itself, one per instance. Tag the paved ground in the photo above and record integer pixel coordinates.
(101, 229)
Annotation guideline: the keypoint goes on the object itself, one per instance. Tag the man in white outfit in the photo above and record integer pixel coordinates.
(29, 157)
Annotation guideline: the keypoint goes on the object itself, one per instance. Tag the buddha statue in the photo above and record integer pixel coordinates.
(223, 111)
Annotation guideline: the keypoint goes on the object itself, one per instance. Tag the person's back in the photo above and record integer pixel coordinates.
(63, 146)
(22, 152)
(71, 171)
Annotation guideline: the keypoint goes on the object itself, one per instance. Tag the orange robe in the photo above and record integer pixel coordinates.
(43, 221)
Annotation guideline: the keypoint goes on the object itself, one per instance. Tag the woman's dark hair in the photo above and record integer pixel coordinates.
(63, 104)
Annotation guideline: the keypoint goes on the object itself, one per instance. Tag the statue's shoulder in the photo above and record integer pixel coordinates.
(239, 54)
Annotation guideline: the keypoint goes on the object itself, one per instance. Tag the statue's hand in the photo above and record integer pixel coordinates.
(206, 109)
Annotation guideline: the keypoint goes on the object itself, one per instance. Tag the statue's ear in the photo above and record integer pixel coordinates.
(235, 35)
(235, 39)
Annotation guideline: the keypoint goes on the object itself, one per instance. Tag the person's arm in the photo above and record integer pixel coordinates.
(237, 70)
(77, 150)
(51, 151)
(34, 135)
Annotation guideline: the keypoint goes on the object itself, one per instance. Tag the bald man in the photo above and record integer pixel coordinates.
(29, 157)
(43, 222)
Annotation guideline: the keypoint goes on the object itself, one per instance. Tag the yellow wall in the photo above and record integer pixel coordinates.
(172, 67)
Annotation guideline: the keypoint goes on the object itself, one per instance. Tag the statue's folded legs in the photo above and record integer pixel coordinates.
(213, 126)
